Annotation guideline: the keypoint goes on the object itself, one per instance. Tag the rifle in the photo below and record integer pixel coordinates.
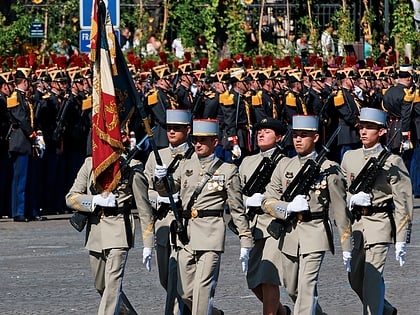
(59, 129)
(366, 178)
(300, 185)
(302, 182)
(262, 174)
(179, 226)
(164, 208)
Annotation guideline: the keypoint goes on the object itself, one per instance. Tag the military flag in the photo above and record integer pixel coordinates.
(106, 128)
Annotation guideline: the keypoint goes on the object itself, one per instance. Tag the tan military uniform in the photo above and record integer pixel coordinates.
(373, 233)
(166, 255)
(304, 244)
(264, 264)
(199, 261)
(107, 239)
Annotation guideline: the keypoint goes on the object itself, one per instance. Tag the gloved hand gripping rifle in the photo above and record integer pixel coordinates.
(301, 185)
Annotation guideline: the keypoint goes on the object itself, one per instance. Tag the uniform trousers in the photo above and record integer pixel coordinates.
(300, 278)
(198, 272)
(20, 175)
(366, 278)
(108, 272)
(166, 258)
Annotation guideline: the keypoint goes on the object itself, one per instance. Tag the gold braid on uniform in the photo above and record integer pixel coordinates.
(403, 223)
(346, 233)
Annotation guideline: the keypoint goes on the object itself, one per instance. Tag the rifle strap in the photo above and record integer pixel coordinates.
(203, 182)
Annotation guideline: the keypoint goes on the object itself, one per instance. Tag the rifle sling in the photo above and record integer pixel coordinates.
(203, 182)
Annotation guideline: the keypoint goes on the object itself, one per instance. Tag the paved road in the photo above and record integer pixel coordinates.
(44, 270)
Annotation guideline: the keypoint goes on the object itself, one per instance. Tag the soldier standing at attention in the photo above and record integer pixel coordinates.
(22, 137)
(307, 231)
(264, 269)
(398, 102)
(6, 89)
(177, 129)
(382, 213)
(205, 184)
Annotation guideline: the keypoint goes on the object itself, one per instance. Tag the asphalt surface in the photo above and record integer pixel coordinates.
(44, 269)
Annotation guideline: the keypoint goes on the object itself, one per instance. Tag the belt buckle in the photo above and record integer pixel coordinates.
(194, 213)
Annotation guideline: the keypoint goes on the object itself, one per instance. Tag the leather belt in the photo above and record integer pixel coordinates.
(369, 210)
(195, 213)
(307, 216)
(108, 211)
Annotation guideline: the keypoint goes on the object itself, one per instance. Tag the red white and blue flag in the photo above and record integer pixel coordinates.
(106, 129)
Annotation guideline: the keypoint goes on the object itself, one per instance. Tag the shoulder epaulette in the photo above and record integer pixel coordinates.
(339, 99)
(291, 99)
(87, 103)
(152, 98)
(226, 99)
(12, 101)
(209, 94)
(417, 96)
(256, 100)
(408, 95)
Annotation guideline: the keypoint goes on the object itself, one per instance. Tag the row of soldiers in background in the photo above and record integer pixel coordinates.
(237, 97)
(44, 128)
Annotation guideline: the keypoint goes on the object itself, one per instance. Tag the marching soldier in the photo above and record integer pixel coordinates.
(205, 184)
(110, 228)
(178, 127)
(306, 233)
(264, 269)
(382, 213)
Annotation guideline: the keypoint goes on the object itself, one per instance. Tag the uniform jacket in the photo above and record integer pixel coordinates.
(328, 193)
(4, 125)
(391, 185)
(20, 115)
(348, 113)
(246, 169)
(101, 233)
(208, 233)
(399, 112)
(167, 155)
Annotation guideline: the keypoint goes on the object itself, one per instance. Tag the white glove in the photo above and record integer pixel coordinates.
(254, 201)
(104, 200)
(40, 144)
(360, 199)
(244, 257)
(147, 258)
(160, 171)
(298, 204)
(347, 260)
(236, 152)
(161, 199)
(400, 252)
